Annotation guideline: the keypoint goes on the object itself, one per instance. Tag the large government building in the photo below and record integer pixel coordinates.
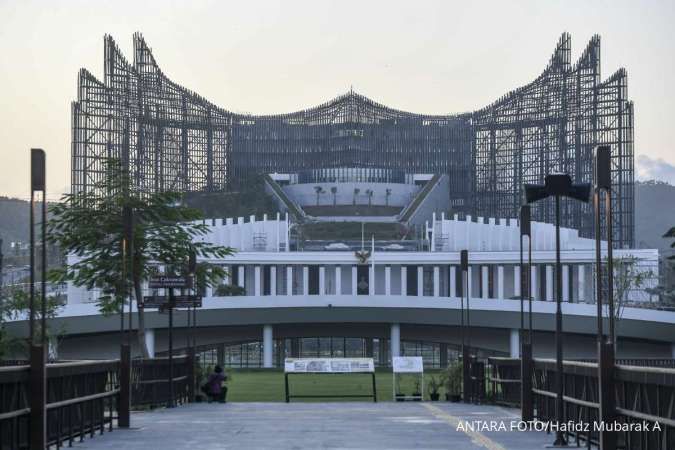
(174, 139)
(375, 205)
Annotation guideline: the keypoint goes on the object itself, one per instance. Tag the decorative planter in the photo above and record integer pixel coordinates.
(400, 397)
(418, 396)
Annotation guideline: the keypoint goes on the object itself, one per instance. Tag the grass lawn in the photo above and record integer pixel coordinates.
(268, 385)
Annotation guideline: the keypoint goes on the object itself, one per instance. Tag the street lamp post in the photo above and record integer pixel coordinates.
(466, 336)
(558, 185)
(526, 401)
(38, 374)
(606, 349)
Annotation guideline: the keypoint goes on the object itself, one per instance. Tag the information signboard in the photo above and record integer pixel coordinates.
(329, 365)
(168, 282)
(407, 364)
(179, 301)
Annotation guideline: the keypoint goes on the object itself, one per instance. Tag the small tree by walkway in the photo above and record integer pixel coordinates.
(90, 226)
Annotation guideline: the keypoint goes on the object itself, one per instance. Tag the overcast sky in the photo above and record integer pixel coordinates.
(270, 57)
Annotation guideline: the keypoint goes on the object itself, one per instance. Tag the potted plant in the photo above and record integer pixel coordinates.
(417, 394)
(453, 382)
(434, 386)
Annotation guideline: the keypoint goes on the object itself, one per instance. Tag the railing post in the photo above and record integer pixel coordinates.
(526, 405)
(124, 407)
(607, 394)
(38, 398)
(466, 374)
(191, 374)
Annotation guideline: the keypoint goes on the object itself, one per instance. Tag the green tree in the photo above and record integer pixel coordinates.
(629, 277)
(90, 226)
(15, 305)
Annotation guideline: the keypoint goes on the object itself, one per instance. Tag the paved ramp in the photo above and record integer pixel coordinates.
(338, 425)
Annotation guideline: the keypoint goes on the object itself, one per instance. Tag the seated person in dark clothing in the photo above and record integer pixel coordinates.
(214, 387)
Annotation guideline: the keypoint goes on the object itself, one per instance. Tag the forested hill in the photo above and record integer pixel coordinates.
(13, 221)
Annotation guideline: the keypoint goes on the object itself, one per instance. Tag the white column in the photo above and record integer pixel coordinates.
(289, 280)
(305, 280)
(371, 279)
(516, 281)
(322, 280)
(395, 340)
(273, 280)
(420, 280)
(387, 280)
(453, 281)
(355, 281)
(565, 283)
(268, 346)
(533, 282)
(241, 274)
(514, 343)
(437, 281)
(257, 281)
(150, 341)
(500, 282)
(338, 280)
(549, 283)
(484, 282)
(581, 296)
(404, 280)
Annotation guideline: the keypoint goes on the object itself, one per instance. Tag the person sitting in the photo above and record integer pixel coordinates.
(214, 387)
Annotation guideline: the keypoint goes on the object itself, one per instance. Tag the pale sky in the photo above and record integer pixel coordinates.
(272, 57)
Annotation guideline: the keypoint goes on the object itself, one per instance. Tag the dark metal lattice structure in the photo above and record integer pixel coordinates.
(173, 139)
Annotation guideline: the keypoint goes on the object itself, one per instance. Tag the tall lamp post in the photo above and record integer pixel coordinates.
(558, 185)
(527, 406)
(38, 375)
(603, 181)
(466, 336)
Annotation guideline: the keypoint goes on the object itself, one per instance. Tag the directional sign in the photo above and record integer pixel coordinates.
(179, 301)
(166, 281)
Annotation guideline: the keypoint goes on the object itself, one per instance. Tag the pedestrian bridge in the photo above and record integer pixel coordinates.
(387, 425)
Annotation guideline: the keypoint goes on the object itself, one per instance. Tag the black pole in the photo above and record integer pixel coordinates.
(38, 370)
(610, 265)
(43, 281)
(466, 342)
(529, 285)
(560, 439)
(31, 301)
(171, 403)
(598, 265)
(522, 294)
(606, 351)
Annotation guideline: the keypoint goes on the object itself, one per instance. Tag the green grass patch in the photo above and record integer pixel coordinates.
(268, 385)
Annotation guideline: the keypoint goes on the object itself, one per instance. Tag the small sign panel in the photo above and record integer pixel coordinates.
(168, 282)
(329, 365)
(179, 301)
(407, 364)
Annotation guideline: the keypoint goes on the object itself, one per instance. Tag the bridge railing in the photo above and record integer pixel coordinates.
(81, 400)
(83, 397)
(150, 381)
(644, 394)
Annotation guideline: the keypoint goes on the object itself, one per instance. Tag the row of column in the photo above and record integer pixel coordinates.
(481, 282)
